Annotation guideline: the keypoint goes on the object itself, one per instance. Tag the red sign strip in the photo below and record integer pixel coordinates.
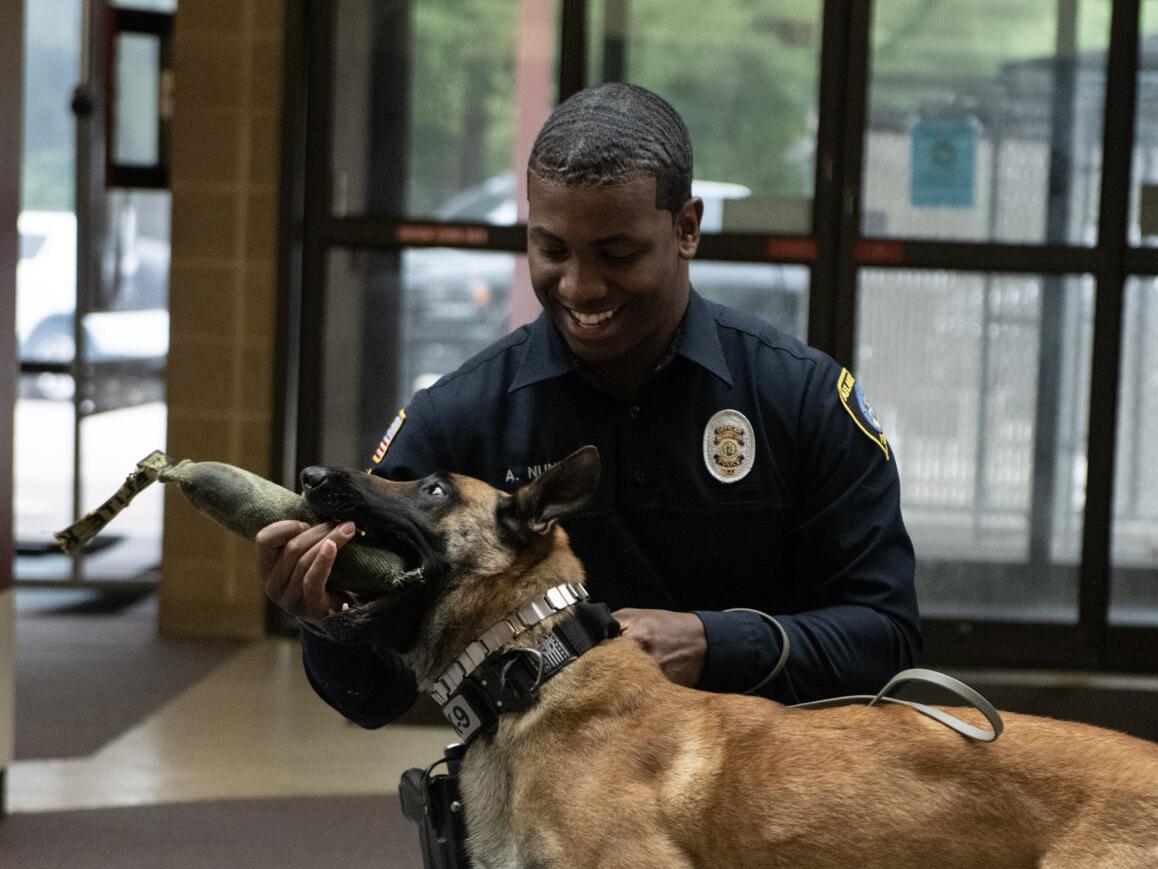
(803, 249)
(437, 234)
(879, 253)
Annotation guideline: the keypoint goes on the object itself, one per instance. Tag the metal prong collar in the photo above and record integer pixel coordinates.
(501, 633)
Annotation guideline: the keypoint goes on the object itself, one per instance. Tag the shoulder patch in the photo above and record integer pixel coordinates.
(852, 397)
(388, 438)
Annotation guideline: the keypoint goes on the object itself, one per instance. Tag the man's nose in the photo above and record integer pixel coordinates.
(581, 284)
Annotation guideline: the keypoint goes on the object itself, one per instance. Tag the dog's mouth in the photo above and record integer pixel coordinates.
(337, 497)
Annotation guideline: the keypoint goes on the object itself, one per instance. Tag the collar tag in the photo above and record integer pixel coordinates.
(462, 717)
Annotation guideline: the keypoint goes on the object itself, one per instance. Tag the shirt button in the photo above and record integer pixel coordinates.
(639, 476)
(633, 412)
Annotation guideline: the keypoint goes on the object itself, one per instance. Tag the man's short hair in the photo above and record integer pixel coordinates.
(612, 133)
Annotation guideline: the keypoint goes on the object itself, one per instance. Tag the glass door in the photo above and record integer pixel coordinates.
(94, 273)
(954, 200)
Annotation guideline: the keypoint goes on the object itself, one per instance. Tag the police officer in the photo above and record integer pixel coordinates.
(741, 468)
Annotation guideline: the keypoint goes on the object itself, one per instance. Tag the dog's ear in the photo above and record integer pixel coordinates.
(560, 490)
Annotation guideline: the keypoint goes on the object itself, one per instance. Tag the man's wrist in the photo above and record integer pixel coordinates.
(742, 651)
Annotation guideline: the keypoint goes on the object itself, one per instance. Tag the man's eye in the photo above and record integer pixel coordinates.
(436, 490)
(620, 255)
(555, 254)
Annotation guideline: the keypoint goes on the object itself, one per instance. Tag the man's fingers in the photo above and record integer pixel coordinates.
(272, 538)
(311, 570)
(631, 625)
(316, 600)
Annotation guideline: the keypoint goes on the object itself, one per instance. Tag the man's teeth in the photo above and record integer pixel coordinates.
(345, 605)
(593, 319)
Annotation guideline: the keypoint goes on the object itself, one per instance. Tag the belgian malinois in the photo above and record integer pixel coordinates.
(614, 766)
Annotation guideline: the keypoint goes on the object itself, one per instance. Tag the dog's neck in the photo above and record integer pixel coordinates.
(502, 671)
(543, 610)
(488, 599)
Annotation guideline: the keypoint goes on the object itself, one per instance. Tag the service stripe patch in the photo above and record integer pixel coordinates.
(860, 410)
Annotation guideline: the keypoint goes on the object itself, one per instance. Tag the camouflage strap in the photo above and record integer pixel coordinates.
(83, 530)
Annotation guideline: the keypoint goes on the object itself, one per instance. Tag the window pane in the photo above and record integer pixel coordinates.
(123, 402)
(1134, 590)
(982, 383)
(428, 120)
(758, 131)
(972, 107)
(1144, 196)
(395, 323)
(138, 107)
(776, 293)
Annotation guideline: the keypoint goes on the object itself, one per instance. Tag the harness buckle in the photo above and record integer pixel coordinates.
(525, 693)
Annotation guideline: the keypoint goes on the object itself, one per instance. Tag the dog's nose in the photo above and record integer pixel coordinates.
(313, 477)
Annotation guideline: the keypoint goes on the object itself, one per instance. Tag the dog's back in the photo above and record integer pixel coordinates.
(668, 776)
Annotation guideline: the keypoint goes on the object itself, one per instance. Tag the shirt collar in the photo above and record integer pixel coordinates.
(547, 355)
(700, 342)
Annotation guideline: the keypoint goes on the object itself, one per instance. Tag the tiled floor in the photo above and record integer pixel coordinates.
(251, 728)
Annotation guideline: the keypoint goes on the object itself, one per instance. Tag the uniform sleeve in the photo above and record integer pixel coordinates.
(371, 685)
(853, 566)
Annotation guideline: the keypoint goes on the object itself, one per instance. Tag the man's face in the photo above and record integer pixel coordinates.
(611, 270)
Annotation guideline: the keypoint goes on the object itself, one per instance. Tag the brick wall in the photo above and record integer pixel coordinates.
(225, 150)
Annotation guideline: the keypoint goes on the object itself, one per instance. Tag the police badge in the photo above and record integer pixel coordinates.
(728, 449)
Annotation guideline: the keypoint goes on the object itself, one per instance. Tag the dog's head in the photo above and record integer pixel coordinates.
(482, 553)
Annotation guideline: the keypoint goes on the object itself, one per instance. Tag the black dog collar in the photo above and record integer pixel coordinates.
(509, 681)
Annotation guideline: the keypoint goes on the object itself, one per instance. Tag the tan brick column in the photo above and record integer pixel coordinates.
(225, 150)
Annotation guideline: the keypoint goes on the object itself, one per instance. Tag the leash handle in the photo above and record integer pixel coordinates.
(940, 680)
(915, 674)
(785, 645)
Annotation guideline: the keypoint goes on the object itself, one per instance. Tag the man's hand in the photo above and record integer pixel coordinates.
(294, 561)
(675, 640)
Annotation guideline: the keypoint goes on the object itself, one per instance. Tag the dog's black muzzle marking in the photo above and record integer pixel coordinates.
(391, 521)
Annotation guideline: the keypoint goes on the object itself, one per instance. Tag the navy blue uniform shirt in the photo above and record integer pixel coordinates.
(791, 506)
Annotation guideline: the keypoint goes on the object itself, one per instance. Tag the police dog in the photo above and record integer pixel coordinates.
(614, 766)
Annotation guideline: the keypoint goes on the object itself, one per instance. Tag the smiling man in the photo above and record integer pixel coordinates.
(742, 470)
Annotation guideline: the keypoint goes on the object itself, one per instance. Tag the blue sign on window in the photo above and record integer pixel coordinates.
(944, 163)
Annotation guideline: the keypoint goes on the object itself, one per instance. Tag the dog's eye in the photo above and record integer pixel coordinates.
(436, 490)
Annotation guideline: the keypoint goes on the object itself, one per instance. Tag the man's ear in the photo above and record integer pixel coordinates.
(687, 221)
(560, 490)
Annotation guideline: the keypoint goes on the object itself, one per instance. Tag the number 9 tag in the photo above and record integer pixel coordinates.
(462, 717)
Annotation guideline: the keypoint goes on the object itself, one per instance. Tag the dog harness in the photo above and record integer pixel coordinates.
(489, 678)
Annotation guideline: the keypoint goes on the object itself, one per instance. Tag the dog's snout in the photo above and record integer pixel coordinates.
(314, 478)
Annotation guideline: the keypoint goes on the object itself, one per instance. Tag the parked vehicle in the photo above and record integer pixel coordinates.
(126, 347)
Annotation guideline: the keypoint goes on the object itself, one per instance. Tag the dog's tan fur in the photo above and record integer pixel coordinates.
(617, 767)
